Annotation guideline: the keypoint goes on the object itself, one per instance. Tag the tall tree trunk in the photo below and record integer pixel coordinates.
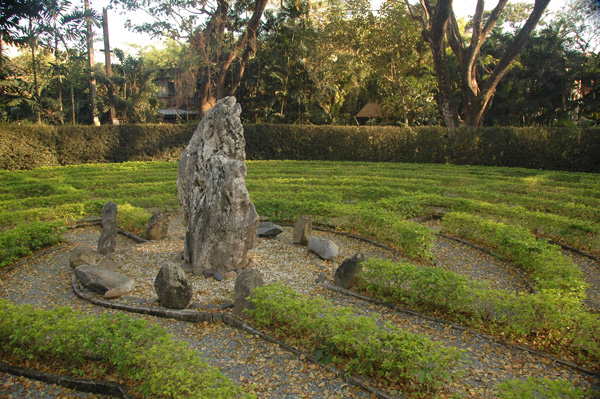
(439, 21)
(90, 50)
(58, 78)
(107, 63)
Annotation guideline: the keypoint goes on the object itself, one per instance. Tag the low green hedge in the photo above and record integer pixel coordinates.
(27, 147)
(359, 342)
(547, 266)
(157, 365)
(27, 238)
(551, 318)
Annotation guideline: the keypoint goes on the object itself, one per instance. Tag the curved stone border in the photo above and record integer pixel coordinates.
(230, 320)
(399, 309)
(79, 384)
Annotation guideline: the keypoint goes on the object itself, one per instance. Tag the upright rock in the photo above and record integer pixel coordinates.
(245, 283)
(108, 235)
(173, 287)
(302, 231)
(158, 226)
(211, 185)
(346, 274)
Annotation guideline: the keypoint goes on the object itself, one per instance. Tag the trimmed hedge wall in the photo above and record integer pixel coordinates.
(27, 147)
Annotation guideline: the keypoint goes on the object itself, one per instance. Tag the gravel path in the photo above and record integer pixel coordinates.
(45, 282)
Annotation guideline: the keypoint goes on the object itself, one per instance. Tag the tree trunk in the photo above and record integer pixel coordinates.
(439, 22)
(90, 49)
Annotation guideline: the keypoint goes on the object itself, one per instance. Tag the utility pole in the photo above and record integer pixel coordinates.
(111, 89)
(90, 48)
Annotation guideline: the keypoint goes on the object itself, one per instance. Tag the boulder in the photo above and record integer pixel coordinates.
(346, 274)
(84, 255)
(158, 226)
(211, 185)
(108, 235)
(173, 287)
(245, 283)
(268, 229)
(101, 280)
(302, 231)
(326, 249)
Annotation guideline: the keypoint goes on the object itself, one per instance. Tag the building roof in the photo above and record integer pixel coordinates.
(370, 110)
(175, 112)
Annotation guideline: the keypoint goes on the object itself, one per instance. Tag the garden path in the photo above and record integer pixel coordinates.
(45, 282)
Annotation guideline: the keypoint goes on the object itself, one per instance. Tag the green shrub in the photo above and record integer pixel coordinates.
(540, 388)
(27, 238)
(27, 147)
(359, 342)
(133, 219)
(158, 366)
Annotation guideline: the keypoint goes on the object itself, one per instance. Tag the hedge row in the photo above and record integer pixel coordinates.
(27, 147)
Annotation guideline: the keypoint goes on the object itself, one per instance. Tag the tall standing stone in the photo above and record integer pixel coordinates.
(302, 231)
(211, 185)
(108, 235)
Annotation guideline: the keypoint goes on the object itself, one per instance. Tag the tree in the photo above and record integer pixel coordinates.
(477, 85)
(222, 44)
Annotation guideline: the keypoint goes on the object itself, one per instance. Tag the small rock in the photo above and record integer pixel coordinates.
(230, 275)
(268, 229)
(218, 276)
(302, 231)
(173, 287)
(320, 279)
(208, 273)
(112, 294)
(326, 249)
(345, 275)
(195, 305)
(211, 306)
(140, 301)
(226, 305)
(245, 283)
(158, 226)
(84, 255)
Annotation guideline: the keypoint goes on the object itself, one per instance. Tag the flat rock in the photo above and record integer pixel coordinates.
(326, 249)
(268, 229)
(101, 280)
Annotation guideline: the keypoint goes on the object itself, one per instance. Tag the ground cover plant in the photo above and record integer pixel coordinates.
(358, 343)
(374, 199)
(144, 357)
(551, 319)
